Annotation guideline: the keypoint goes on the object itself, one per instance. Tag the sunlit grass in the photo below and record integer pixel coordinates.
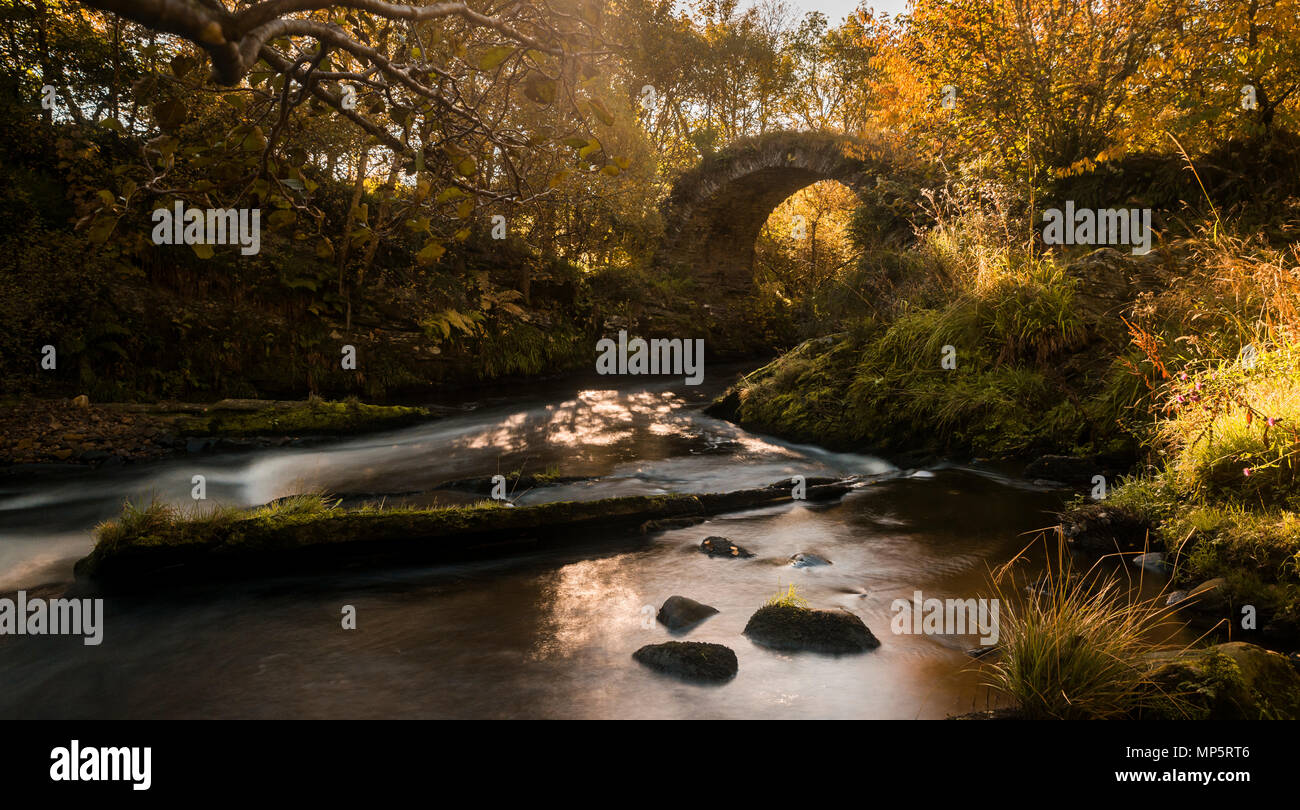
(1078, 645)
(788, 598)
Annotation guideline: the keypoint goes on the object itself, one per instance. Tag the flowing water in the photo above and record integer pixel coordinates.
(546, 635)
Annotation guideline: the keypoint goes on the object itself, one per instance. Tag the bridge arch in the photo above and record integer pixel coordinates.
(713, 215)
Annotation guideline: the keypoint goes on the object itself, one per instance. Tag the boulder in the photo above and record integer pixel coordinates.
(722, 547)
(1209, 595)
(793, 628)
(1153, 561)
(690, 660)
(1233, 681)
(1111, 280)
(808, 560)
(680, 613)
(1100, 527)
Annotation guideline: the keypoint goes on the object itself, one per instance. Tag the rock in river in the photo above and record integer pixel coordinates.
(722, 547)
(792, 628)
(691, 660)
(1101, 527)
(808, 560)
(679, 612)
(1153, 561)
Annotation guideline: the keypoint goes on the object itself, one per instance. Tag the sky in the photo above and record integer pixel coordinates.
(837, 10)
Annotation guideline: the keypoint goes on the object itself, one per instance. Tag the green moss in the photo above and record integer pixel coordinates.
(1233, 681)
(886, 389)
(159, 542)
(314, 417)
(1256, 551)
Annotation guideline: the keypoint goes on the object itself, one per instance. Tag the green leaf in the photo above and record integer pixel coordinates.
(492, 58)
(202, 251)
(540, 89)
(601, 112)
(430, 253)
(254, 141)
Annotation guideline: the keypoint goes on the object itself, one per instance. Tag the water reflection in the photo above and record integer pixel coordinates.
(543, 636)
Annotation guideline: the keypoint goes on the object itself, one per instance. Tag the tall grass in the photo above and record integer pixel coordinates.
(1077, 645)
(1232, 430)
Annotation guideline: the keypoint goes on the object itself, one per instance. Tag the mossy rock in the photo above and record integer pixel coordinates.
(1103, 527)
(247, 418)
(1234, 681)
(795, 629)
(159, 546)
(690, 660)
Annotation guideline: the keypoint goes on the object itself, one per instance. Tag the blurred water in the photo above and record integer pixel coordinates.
(541, 636)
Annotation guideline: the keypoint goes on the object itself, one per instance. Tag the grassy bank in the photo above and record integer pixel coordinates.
(157, 545)
(243, 418)
(71, 431)
(1013, 366)
(1223, 494)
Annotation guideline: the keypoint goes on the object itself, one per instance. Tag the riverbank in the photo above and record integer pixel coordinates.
(1035, 364)
(47, 432)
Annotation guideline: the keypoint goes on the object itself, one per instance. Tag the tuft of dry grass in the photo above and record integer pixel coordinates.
(1077, 645)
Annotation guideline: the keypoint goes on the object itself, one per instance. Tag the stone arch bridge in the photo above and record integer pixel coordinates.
(715, 211)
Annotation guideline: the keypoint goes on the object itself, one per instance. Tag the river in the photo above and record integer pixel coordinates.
(547, 635)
